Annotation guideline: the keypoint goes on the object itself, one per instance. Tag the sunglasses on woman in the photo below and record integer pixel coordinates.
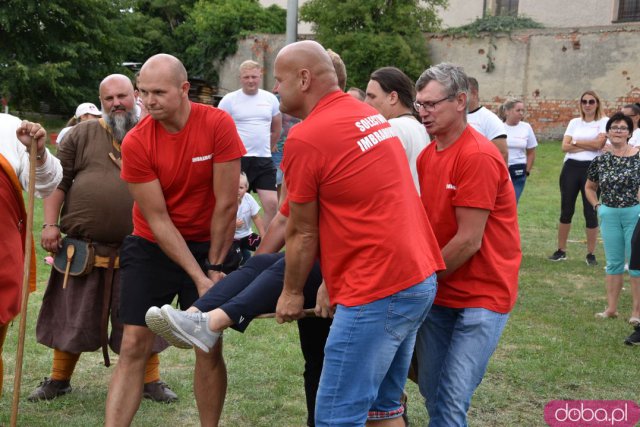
(588, 101)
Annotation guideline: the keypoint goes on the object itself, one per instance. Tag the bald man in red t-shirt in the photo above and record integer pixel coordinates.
(353, 203)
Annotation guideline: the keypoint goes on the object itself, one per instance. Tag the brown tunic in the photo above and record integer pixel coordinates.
(97, 204)
(97, 207)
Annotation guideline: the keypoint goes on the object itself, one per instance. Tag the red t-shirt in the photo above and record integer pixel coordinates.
(375, 239)
(183, 163)
(471, 173)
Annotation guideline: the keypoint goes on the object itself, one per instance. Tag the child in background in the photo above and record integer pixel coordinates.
(248, 210)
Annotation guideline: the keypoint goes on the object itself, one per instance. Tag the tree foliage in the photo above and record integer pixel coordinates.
(494, 24)
(57, 51)
(157, 23)
(376, 33)
(213, 28)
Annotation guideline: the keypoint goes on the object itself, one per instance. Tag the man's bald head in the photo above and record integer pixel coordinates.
(118, 104)
(115, 79)
(304, 73)
(164, 90)
(168, 64)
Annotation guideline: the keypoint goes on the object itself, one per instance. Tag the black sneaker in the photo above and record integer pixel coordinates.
(49, 389)
(558, 255)
(591, 259)
(634, 338)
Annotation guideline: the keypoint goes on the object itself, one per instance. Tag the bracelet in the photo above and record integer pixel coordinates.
(50, 225)
(596, 206)
(41, 156)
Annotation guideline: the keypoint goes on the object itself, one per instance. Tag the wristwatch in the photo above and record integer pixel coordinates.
(211, 267)
(574, 142)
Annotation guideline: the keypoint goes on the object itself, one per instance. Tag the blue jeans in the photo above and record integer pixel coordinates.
(453, 349)
(277, 159)
(518, 178)
(616, 227)
(367, 357)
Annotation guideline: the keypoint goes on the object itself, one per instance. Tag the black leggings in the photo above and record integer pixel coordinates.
(572, 180)
(254, 289)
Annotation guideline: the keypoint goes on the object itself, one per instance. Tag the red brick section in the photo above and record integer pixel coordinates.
(550, 117)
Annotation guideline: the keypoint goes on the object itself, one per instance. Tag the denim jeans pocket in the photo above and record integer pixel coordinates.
(408, 308)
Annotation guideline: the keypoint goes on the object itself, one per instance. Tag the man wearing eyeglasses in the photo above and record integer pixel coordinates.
(470, 202)
(485, 121)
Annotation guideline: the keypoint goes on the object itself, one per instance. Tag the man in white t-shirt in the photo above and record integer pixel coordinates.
(391, 92)
(485, 121)
(633, 111)
(256, 114)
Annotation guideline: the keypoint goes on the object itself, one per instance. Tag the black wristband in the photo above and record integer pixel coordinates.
(211, 267)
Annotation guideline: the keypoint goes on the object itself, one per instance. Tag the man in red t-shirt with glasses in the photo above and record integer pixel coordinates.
(353, 203)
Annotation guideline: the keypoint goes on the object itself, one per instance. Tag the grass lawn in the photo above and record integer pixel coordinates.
(552, 347)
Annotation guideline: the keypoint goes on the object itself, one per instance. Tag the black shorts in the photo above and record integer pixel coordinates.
(260, 171)
(149, 278)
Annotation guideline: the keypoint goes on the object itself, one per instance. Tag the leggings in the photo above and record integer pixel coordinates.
(572, 180)
(254, 289)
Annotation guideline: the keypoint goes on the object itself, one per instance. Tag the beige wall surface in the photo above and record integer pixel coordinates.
(263, 49)
(460, 12)
(549, 69)
(568, 13)
(550, 13)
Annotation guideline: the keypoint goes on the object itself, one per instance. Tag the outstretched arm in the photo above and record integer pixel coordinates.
(302, 247)
(223, 220)
(151, 202)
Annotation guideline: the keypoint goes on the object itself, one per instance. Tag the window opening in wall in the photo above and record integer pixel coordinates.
(629, 10)
(506, 8)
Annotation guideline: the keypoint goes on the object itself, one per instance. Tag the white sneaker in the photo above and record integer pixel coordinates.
(191, 326)
(157, 324)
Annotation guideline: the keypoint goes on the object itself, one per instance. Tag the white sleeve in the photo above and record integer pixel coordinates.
(532, 142)
(253, 205)
(571, 128)
(603, 125)
(225, 103)
(495, 126)
(48, 176)
(275, 110)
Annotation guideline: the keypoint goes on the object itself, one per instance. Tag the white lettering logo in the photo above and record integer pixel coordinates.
(369, 122)
(451, 187)
(376, 137)
(202, 158)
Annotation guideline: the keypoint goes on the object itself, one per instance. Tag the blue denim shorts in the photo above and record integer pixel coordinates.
(367, 357)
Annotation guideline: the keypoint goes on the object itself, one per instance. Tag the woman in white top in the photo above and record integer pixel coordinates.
(584, 138)
(521, 142)
(84, 112)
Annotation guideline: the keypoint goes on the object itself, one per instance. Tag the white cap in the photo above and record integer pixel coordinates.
(89, 108)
